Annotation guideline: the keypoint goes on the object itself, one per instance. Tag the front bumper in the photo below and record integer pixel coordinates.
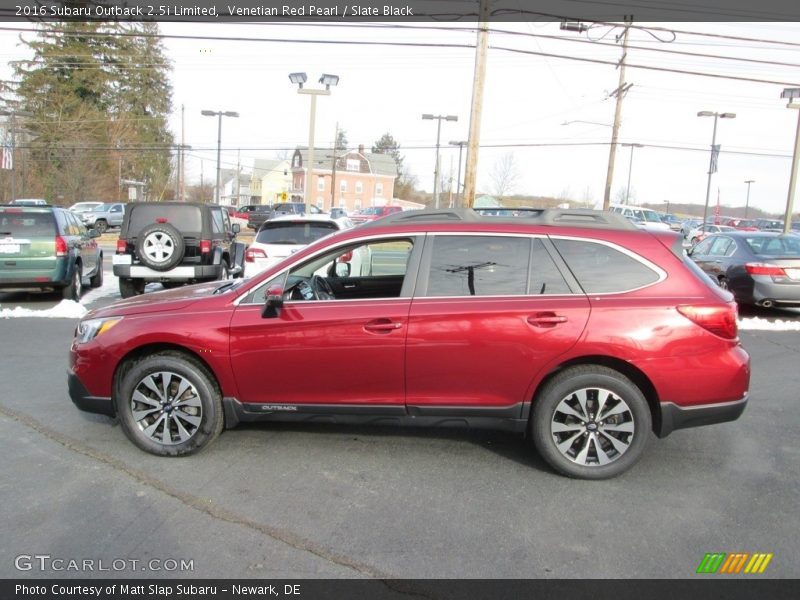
(681, 417)
(81, 398)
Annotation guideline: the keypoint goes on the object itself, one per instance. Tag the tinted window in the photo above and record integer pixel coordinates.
(723, 246)
(602, 269)
(775, 246)
(479, 266)
(217, 224)
(703, 247)
(26, 224)
(293, 233)
(184, 218)
(545, 278)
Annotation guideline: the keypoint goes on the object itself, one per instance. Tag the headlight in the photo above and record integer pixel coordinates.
(91, 328)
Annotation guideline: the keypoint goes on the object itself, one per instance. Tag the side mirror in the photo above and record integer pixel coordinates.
(235, 228)
(342, 269)
(273, 302)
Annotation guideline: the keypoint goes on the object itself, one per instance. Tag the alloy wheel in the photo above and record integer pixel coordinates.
(166, 407)
(159, 246)
(592, 427)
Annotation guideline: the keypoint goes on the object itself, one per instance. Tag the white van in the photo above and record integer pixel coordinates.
(646, 218)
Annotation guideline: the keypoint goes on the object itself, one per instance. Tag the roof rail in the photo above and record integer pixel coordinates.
(547, 216)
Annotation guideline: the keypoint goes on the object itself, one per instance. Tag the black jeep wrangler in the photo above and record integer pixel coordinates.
(176, 243)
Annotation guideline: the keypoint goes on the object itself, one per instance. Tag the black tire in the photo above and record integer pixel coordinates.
(592, 454)
(160, 423)
(160, 246)
(170, 285)
(97, 279)
(101, 225)
(130, 287)
(73, 290)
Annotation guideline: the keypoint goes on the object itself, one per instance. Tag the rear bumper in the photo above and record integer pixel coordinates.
(681, 417)
(181, 273)
(84, 401)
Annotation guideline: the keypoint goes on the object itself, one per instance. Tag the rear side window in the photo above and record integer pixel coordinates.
(602, 269)
(294, 233)
(545, 278)
(479, 266)
(184, 218)
(26, 224)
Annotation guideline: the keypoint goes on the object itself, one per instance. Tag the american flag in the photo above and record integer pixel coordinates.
(7, 159)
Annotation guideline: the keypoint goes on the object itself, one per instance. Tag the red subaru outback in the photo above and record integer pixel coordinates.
(573, 327)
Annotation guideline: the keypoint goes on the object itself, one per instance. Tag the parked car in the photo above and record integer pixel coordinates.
(82, 207)
(673, 221)
(649, 218)
(759, 268)
(47, 248)
(698, 235)
(690, 225)
(29, 202)
(175, 243)
(280, 237)
(574, 327)
(104, 216)
(256, 218)
(742, 224)
(374, 212)
(775, 224)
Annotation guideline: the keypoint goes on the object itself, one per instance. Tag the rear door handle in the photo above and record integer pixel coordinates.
(382, 326)
(547, 319)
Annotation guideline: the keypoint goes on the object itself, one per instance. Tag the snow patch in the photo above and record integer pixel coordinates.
(759, 324)
(66, 309)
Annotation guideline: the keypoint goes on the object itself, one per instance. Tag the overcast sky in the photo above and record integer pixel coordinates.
(527, 98)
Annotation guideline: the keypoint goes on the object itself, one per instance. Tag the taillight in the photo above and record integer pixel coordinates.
(765, 269)
(122, 246)
(161, 220)
(719, 319)
(253, 253)
(61, 246)
(205, 246)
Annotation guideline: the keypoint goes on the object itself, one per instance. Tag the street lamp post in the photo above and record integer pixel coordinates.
(219, 114)
(439, 118)
(747, 201)
(458, 178)
(712, 165)
(327, 80)
(630, 170)
(791, 94)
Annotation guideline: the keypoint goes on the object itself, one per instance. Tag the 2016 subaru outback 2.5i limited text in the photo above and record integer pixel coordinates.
(576, 328)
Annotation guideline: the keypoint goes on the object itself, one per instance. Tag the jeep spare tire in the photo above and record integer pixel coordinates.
(160, 246)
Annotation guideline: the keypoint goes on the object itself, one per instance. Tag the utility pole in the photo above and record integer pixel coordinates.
(622, 88)
(333, 166)
(238, 169)
(182, 190)
(747, 201)
(202, 183)
(479, 79)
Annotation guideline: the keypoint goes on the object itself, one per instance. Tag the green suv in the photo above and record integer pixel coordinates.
(45, 247)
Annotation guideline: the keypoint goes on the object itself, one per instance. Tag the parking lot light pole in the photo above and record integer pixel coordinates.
(327, 80)
(747, 201)
(429, 117)
(630, 170)
(791, 94)
(219, 114)
(712, 164)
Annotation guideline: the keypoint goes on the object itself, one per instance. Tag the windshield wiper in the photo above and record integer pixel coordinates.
(225, 286)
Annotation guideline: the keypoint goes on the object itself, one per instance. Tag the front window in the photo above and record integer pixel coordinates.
(321, 184)
(359, 187)
(353, 164)
(379, 189)
(294, 233)
(343, 185)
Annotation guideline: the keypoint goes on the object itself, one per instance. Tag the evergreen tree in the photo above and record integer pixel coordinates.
(405, 182)
(99, 96)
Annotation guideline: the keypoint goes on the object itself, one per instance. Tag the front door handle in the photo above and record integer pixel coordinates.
(546, 319)
(382, 326)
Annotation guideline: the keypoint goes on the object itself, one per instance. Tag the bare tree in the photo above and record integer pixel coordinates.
(504, 175)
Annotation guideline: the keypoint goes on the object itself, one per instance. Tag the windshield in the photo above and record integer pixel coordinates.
(294, 233)
(101, 208)
(651, 216)
(372, 210)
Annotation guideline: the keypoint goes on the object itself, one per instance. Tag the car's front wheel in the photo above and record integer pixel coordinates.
(591, 422)
(169, 405)
(73, 290)
(131, 287)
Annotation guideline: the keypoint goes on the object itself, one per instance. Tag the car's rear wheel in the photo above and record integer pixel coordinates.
(72, 291)
(101, 225)
(169, 405)
(131, 287)
(591, 422)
